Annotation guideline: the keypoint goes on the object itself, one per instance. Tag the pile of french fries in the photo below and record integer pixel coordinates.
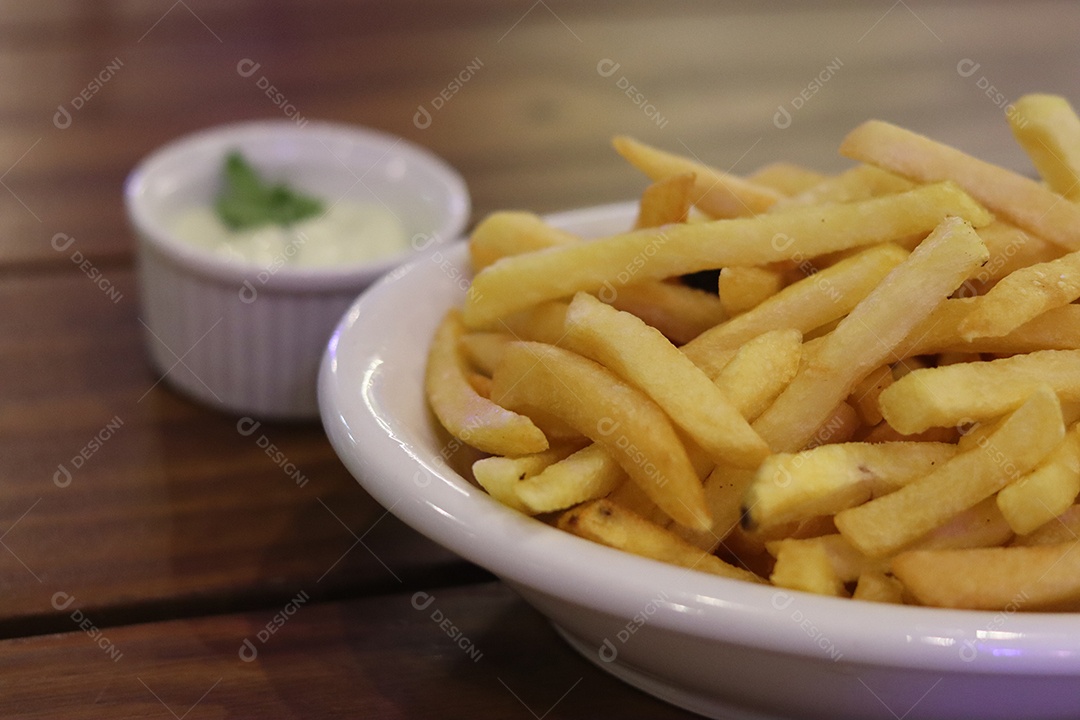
(879, 401)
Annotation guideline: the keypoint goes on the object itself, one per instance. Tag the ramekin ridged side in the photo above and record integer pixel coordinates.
(245, 348)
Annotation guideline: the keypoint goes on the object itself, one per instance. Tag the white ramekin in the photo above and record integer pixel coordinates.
(245, 339)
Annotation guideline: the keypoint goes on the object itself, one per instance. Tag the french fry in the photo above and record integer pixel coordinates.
(717, 193)
(817, 333)
(507, 233)
(805, 305)
(747, 551)
(1047, 491)
(939, 331)
(760, 371)
(864, 397)
(629, 495)
(519, 282)
(605, 522)
(790, 487)
(465, 413)
(869, 334)
(981, 525)
(1023, 296)
(1018, 199)
(552, 428)
(500, 476)
(1048, 129)
(805, 565)
(642, 356)
(884, 433)
(886, 524)
(752, 380)
(1010, 249)
(743, 288)
(725, 486)
(588, 474)
(1038, 577)
(1064, 528)
(973, 434)
(876, 586)
(480, 383)
(485, 349)
(859, 183)
(839, 426)
(611, 413)
(681, 313)
(544, 323)
(908, 365)
(877, 399)
(947, 396)
(1057, 329)
(845, 562)
(786, 178)
(666, 201)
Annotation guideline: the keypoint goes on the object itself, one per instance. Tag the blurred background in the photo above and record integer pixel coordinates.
(523, 97)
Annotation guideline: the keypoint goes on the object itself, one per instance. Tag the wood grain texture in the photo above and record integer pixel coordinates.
(375, 658)
(177, 535)
(126, 495)
(530, 126)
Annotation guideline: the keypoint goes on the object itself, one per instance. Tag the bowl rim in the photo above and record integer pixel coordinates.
(151, 232)
(380, 452)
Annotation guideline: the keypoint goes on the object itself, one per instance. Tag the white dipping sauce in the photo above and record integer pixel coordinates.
(347, 233)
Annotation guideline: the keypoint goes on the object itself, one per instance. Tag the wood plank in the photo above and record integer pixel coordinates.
(120, 492)
(376, 658)
(530, 128)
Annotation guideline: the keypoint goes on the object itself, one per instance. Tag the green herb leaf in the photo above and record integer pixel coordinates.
(248, 202)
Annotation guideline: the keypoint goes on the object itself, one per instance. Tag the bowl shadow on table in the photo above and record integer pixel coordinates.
(458, 652)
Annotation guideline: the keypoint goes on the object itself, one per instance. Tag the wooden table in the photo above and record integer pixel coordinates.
(154, 561)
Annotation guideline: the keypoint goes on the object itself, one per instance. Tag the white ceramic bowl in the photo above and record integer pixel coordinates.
(235, 335)
(718, 647)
